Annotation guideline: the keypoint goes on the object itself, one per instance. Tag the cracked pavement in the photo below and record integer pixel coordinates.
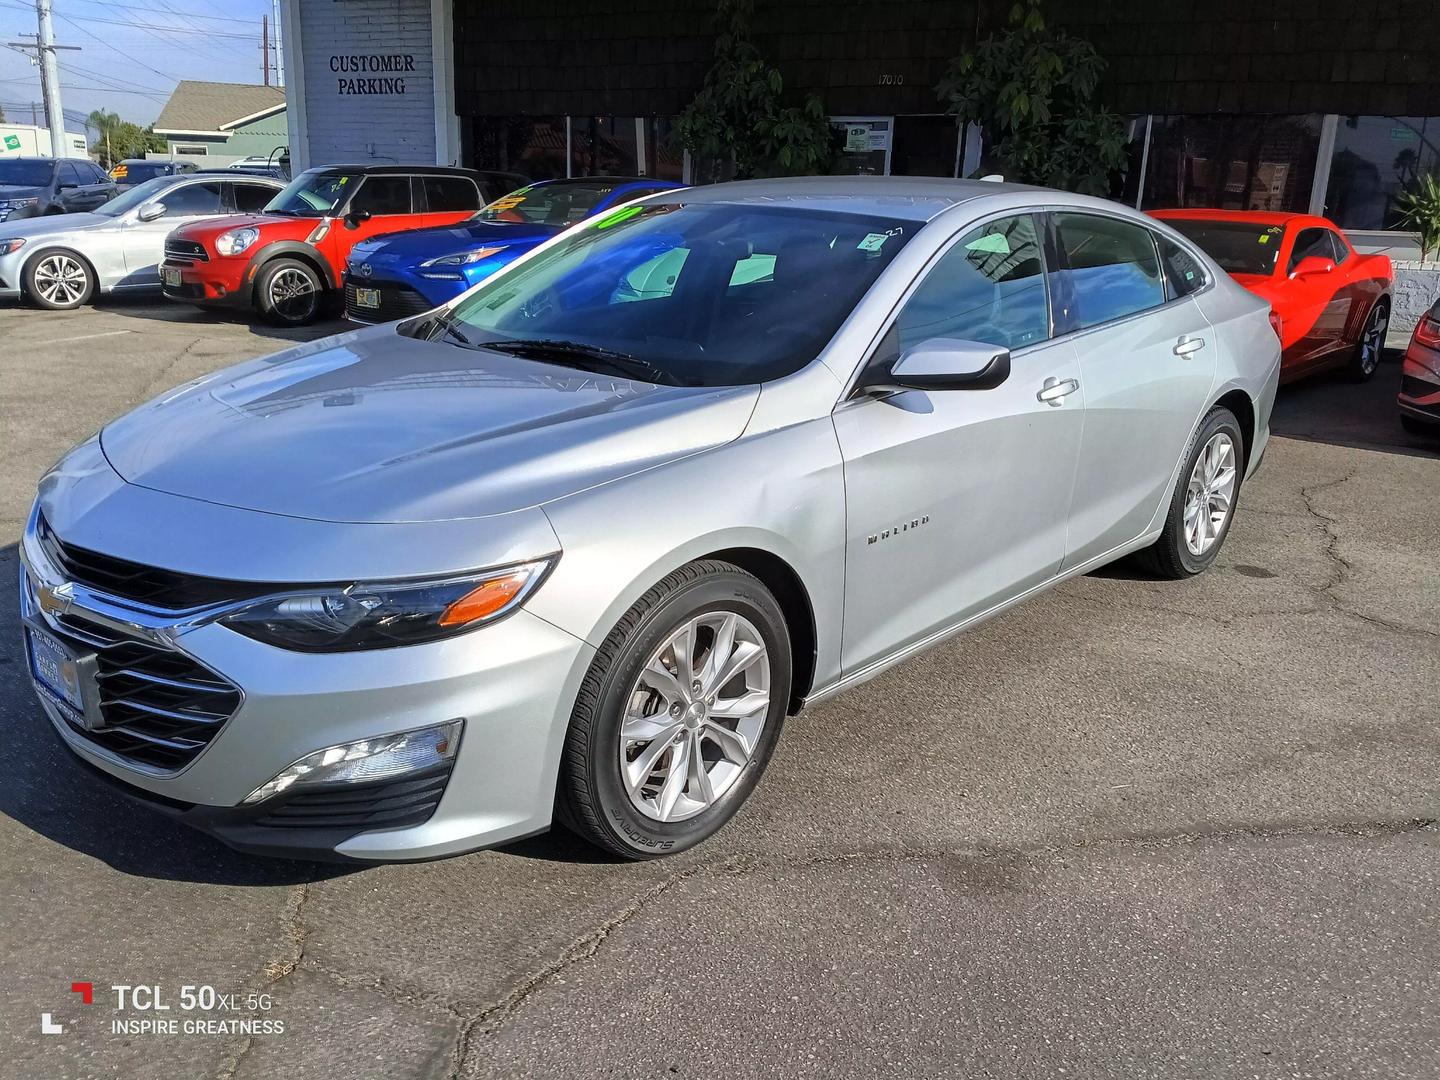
(1133, 829)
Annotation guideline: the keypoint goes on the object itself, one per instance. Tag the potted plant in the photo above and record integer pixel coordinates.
(1417, 282)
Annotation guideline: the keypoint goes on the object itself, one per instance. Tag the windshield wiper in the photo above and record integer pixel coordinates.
(444, 326)
(581, 355)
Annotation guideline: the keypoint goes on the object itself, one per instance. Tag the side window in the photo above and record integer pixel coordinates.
(69, 174)
(1184, 274)
(252, 198)
(450, 194)
(189, 200)
(1342, 250)
(989, 286)
(1310, 243)
(383, 195)
(1111, 267)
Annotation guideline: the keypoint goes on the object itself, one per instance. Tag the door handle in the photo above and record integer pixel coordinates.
(1187, 345)
(1054, 391)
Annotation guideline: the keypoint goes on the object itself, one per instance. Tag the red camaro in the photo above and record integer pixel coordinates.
(1333, 303)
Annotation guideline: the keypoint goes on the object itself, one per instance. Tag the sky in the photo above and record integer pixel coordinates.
(132, 53)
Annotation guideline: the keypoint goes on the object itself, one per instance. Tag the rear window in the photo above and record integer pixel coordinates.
(1239, 247)
(448, 194)
(26, 173)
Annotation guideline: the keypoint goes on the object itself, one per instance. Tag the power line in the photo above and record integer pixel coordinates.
(157, 26)
(118, 50)
(155, 11)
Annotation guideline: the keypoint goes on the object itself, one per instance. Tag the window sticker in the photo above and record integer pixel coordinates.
(624, 214)
(1264, 238)
(508, 203)
(873, 241)
(991, 244)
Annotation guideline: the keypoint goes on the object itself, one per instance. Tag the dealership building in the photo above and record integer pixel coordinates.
(1324, 106)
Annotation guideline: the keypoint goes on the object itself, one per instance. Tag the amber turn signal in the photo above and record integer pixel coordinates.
(485, 599)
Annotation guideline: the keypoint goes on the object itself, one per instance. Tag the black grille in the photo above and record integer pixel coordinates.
(143, 584)
(161, 708)
(186, 250)
(390, 804)
(1412, 387)
(396, 302)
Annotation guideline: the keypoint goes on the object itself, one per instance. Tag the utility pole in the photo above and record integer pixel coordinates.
(265, 46)
(279, 54)
(45, 49)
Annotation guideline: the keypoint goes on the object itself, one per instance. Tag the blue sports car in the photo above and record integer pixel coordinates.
(402, 274)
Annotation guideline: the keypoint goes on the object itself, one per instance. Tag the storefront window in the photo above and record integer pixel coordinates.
(533, 146)
(664, 156)
(1377, 159)
(924, 146)
(602, 146)
(1232, 162)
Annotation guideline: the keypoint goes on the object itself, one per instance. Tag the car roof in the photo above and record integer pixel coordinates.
(393, 170)
(914, 198)
(33, 157)
(1244, 217)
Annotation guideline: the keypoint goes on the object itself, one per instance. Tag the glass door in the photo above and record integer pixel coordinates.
(864, 145)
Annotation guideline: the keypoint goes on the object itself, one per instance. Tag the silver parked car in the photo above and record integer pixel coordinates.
(60, 262)
(578, 542)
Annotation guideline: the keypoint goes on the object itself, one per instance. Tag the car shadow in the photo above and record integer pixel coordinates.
(1328, 408)
(45, 789)
(158, 309)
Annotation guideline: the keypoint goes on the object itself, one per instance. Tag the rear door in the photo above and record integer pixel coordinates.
(956, 500)
(384, 203)
(1146, 367)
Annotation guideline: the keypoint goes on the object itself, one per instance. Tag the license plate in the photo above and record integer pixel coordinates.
(367, 298)
(55, 669)
(170, 276)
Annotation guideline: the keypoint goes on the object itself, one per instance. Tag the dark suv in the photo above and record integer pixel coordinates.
(32, 186)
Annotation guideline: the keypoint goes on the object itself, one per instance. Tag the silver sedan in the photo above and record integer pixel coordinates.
(575, 545)
(61, 262)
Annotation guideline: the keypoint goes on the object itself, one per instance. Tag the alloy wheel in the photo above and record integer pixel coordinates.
(292, 294)
(60, 280)
(694, 716)
(1210, 493)
(1372, 341)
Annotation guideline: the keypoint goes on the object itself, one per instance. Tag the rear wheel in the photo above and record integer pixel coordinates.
(59, 280)
(1203, 504)
(1371, 344)
(678, 715)
(289, 292)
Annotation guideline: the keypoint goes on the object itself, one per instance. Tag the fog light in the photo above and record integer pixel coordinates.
(365, 760)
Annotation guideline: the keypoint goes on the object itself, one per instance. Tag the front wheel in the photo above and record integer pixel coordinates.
(1371, 344)
(289, 292)
(678, 715)
(59, 280)
(1203, 504)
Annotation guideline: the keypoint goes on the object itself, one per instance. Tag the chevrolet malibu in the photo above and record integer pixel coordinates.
(574, 546)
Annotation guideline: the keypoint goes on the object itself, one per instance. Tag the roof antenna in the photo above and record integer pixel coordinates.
(992, 178)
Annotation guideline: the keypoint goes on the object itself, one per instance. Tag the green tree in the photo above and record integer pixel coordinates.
(738, 123)
(118, 139)
(1031, 89)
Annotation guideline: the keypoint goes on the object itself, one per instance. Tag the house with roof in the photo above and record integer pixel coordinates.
(224, 121)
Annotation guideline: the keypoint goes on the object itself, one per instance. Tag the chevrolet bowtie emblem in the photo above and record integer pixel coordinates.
(56, 599)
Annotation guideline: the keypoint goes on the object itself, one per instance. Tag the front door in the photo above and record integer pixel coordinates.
(1147, 362)
(384, 203)
(957, 500)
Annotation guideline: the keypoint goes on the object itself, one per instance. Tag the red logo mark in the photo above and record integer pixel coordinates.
(85, 990)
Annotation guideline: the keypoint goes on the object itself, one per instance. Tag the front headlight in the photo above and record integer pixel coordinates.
(347, 618)
(466, 258)
(9, 247)
(236, 240)
(18, 204)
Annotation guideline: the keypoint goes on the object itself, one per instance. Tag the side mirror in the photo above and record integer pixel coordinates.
(355, 218)
(945, 364)
(151, 211)
(1311, 265)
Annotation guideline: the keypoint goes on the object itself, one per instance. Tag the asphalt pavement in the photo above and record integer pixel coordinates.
(1131, 829)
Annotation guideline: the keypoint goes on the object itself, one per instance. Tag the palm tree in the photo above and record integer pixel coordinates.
(104, 123)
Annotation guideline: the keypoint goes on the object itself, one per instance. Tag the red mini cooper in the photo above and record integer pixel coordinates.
(286, 259)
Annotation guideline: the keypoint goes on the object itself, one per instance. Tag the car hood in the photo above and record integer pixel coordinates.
(29, 228)
(372, 426)
(420, 244)
(15, 191)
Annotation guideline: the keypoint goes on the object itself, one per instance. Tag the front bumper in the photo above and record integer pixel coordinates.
(214, 284)
(512, 683)
(397, 299)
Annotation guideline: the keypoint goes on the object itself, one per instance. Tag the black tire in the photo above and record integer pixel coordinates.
(306, 289)
(1366, 357)
(591, 798)
(1419, 427)
(1170, 556)
(59, 279)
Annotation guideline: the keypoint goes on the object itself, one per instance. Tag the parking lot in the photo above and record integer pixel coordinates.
(1131, 829)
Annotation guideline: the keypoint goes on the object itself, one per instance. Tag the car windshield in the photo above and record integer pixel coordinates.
(132, 197)
(1239, 247)
(313, 194)
(547, 204)
(26, 173)
(710, 294)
